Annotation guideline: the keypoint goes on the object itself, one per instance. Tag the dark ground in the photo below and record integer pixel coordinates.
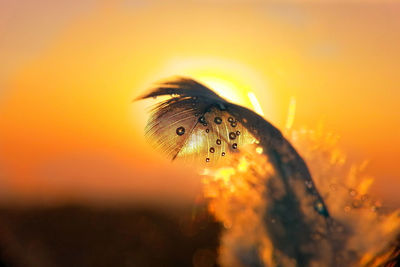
(74, 236)
(82, 236)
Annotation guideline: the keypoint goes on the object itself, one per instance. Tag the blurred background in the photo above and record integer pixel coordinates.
(80, 186)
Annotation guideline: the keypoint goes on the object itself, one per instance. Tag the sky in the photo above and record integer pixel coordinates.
(70, 69)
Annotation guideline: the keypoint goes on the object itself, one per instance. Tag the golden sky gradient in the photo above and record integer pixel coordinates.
(69, 72)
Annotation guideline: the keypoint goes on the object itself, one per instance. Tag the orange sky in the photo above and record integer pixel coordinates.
(68, 128)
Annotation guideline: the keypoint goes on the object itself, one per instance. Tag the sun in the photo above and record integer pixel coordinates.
(234, 81)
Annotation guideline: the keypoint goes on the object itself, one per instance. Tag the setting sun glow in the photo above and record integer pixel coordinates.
(69, 128)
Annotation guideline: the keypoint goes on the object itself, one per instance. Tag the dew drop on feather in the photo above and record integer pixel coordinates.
(218, 141)
(180, 130)
(202, 119)
(218, 120)
(232, 135)
(237, 133)
(230, 119)
(364, 197)
(233, 124)
(207, 130)
(207, 159)
(352, 192)
(234, 146)
(212, 150)
(319, 207)
(308, 184)
(223, 153)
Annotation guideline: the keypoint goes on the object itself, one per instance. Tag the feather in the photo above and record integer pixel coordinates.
(196, 122)
(193, 122)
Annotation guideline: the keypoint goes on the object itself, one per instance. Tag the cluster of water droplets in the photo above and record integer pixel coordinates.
(217, 120)
(345, 185)
(362, 226)
(232, 135)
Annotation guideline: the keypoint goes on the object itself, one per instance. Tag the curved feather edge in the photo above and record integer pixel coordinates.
(290, 167)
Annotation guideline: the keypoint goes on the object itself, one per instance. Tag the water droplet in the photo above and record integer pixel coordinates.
(364, 197)
(218, 141)
(223, 153)
(180, 130)
(233, 124)
(232, 135)
(207, 130)
(319, 207)
(237, 133)
(308, 184)
(212, 150)
(202, 119)
(234, 146)
(230, 119)
(207, 159)
(218, 120)
(352, 192)
(205, 124)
